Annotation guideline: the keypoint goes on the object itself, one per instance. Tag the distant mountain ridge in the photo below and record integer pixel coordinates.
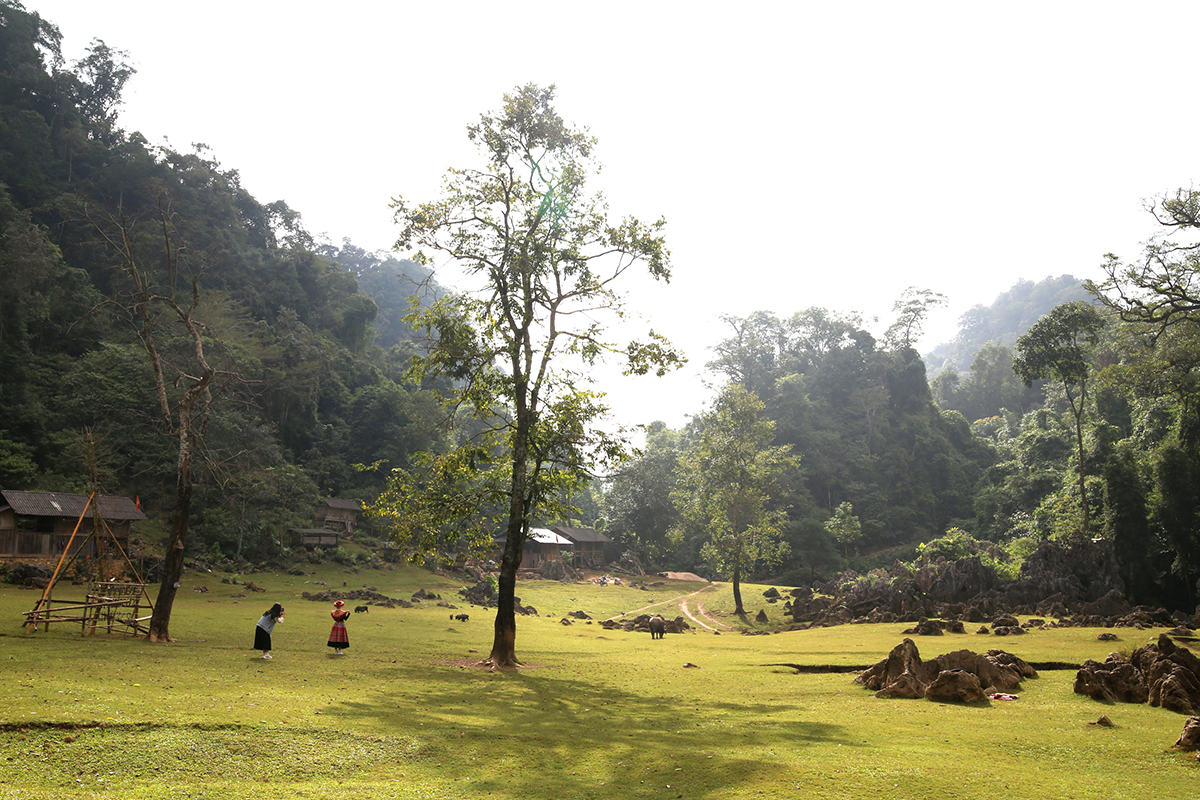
(1004, 321)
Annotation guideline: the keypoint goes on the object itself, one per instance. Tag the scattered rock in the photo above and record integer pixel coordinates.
(904, 674)
(1103, 722)
(926, 627)
(955, 685)
(1190, 738)
(1114, 680)
(374, 598)
(1007, 630)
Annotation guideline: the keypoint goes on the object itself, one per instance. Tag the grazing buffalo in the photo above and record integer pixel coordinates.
(360, 609)
(658, 627)
(460, 617)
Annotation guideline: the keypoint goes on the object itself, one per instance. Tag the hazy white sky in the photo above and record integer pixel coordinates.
(803, 153)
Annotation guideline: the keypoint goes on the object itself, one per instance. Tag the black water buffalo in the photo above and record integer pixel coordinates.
(658, 627)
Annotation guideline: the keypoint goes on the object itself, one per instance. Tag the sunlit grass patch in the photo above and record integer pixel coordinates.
(599, 713)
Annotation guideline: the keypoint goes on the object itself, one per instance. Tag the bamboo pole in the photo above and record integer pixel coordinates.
(53, 578)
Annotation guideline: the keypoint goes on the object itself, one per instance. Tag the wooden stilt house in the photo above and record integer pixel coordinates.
(587, 545)
(36, 526)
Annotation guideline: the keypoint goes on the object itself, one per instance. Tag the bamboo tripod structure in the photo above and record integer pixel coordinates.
(107, 604)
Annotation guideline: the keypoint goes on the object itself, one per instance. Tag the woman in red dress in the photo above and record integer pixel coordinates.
(338, 639)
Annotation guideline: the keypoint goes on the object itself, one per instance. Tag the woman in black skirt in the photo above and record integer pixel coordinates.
(262, 631)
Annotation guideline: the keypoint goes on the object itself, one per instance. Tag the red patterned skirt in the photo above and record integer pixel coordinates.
(338, 637)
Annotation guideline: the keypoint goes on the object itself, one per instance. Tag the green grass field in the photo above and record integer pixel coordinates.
(597, 714)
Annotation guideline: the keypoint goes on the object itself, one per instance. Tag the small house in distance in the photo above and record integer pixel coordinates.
(587, 545)
(38, 525)
(542, 545)
(336, 514)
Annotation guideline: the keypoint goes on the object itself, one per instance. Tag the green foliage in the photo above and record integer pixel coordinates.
(864, 419)
(1058, 347)
(637, 504)
(546, 260)
(956, 543)
(727, 483)
(312, 394)
(445, 503)
(1011, 314)
(911, 310)
(844, 526)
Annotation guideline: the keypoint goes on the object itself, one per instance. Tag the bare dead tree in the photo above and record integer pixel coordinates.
(184, 387)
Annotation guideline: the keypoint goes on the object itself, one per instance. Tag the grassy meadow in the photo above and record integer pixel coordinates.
(596, 714)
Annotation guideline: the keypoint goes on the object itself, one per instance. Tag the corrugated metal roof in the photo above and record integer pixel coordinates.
(337, 502)
(58, 504)
(547, 536)
(540, 535)
(582, 534)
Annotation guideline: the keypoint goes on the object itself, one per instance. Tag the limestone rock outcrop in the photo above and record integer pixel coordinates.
(962, 675)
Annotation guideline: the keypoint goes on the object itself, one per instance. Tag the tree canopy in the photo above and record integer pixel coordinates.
(545, 256)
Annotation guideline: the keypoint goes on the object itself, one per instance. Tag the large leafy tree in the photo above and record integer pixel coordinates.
(637, 505)
(544, 257)
(911, 310)
(728, 481)
(1057, 347)
(1161, 289)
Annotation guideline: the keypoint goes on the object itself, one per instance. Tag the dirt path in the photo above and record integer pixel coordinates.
(701, 611)
(700, 617)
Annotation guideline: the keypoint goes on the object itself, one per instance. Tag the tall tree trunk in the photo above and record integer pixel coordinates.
(173, 563)
(160, 619)
(504, 642)
(737, 589)
(1078, 412)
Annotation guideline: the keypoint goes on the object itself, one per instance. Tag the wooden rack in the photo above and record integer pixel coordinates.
(113, 607)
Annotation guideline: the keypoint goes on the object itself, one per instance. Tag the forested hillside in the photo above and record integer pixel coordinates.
(149, 303)
(305, 340)
(1009, 316)
(1110, 405)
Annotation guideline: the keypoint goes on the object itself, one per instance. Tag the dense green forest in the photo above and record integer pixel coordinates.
(109, 245)
(306, 340)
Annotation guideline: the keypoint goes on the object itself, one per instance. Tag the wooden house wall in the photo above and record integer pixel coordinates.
(533, 554)
(589, 554)
(51, 541)
(337, 518)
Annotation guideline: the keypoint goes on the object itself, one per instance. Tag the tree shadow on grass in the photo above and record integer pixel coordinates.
(543, 733)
